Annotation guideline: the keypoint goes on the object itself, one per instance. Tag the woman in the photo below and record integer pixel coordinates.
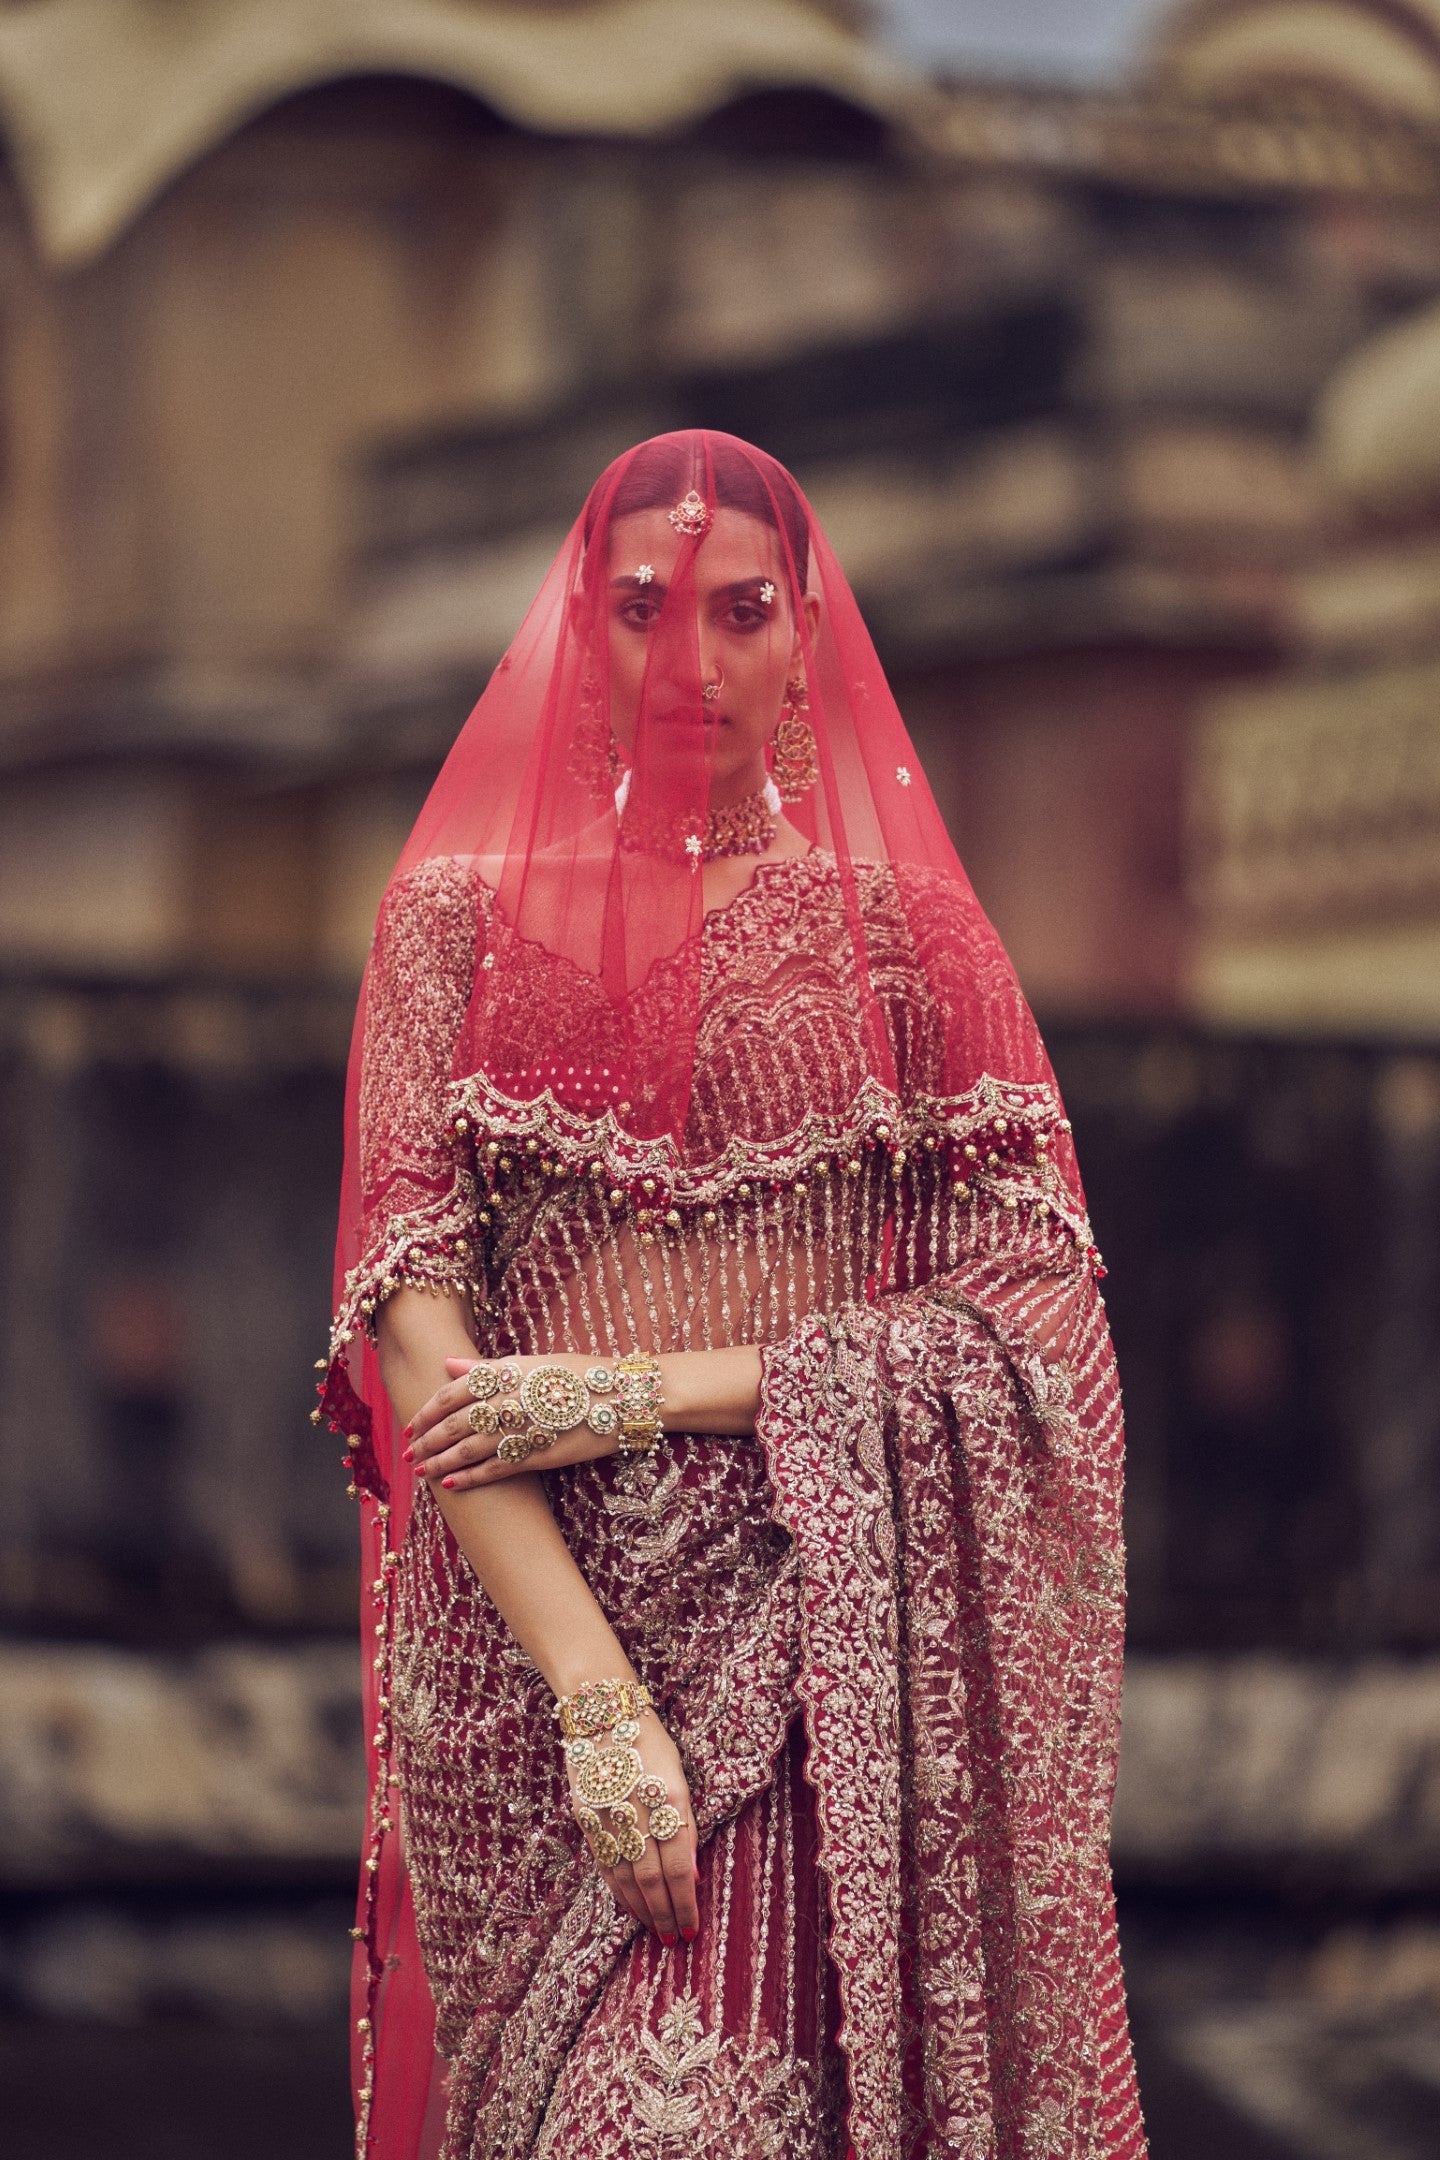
(730, 1401)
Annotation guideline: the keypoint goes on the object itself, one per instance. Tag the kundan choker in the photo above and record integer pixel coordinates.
(743, 828)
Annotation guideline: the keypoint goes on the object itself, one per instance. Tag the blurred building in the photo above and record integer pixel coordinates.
(308, 363)
(1122, 409)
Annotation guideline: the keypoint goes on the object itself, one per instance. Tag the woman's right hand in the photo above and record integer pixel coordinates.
(659, 1887)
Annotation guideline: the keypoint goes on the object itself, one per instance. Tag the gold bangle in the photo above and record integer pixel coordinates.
(639, 1398)
(599, 1705)
(518, 1447)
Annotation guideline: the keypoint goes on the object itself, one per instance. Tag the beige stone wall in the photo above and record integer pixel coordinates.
(183, 417)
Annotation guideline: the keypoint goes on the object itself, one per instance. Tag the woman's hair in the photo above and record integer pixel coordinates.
(664, 469)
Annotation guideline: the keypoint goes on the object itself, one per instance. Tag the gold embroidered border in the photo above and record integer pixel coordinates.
(430, 1248)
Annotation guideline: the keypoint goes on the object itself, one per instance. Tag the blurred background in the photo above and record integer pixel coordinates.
(1105, 336)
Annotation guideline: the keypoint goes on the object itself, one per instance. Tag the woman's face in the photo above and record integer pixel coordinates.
(740, 631)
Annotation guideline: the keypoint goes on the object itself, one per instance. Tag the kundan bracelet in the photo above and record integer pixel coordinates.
(594, 1708)
(639, 1398)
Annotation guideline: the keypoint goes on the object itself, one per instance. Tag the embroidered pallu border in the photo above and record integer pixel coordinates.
(953, 1495)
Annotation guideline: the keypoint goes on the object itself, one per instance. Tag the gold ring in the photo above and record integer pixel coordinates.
(520, 1446)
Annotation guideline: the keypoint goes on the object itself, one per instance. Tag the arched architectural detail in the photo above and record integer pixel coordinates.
(103, 102)
(1379, 54)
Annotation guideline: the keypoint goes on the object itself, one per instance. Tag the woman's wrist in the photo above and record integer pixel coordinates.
(596, 1655)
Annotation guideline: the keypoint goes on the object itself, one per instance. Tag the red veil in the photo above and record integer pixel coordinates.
(537, 1030)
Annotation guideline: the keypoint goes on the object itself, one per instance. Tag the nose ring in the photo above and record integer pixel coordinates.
(712, 690)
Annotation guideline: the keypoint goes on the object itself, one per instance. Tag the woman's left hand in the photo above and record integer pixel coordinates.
(444, 1449)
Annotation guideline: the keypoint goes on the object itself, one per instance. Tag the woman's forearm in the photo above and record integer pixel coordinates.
(711, 1391)
(506, 1531)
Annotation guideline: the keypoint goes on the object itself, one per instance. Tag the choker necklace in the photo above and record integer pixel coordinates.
(743, 828)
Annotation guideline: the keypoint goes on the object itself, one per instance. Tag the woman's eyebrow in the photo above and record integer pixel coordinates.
(629, 581)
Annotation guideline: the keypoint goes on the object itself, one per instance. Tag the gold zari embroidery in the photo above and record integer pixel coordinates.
(952, 1454)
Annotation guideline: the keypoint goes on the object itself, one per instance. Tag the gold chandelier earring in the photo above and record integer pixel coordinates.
(795, 763)
(594, 759)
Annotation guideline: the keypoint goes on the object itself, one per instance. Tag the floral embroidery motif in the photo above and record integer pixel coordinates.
(687, 2091)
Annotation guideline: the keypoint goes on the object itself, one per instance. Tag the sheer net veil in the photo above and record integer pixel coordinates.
(691, 708)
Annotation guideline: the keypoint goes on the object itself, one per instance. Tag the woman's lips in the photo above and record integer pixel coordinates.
(703, 716)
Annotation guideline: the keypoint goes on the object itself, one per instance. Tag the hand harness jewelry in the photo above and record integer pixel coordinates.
(610, 1784)
(531, 1414)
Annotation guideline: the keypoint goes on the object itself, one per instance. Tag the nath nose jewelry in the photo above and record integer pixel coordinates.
(712, 689)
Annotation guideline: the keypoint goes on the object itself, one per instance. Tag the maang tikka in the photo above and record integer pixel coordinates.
(795, 762)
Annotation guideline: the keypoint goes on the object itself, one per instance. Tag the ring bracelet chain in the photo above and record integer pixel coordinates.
(610, 1784)
(622, 1401)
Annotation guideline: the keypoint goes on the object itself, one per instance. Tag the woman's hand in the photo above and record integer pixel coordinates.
(659, 1887)
(445, 1449)
(705, 1391)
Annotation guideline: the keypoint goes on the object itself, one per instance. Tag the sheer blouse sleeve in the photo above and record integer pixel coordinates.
(968, 1055)
(417, 1188)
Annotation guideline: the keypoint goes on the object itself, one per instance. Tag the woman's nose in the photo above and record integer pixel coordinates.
(685, 659)
(709, 653)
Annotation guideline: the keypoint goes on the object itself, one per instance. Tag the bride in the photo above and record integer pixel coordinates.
(728, 1394)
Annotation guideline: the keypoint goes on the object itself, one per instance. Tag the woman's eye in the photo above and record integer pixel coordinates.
(639, 613)
(746, 615)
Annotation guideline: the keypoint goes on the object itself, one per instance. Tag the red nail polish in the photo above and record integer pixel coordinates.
(448, 1483)
(405, 1435)
(689, 1933)
(409, 1455)
(669, 1941)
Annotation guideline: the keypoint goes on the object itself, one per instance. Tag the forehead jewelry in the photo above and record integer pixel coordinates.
(767, 592)
(691, 515)
(644, 574)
